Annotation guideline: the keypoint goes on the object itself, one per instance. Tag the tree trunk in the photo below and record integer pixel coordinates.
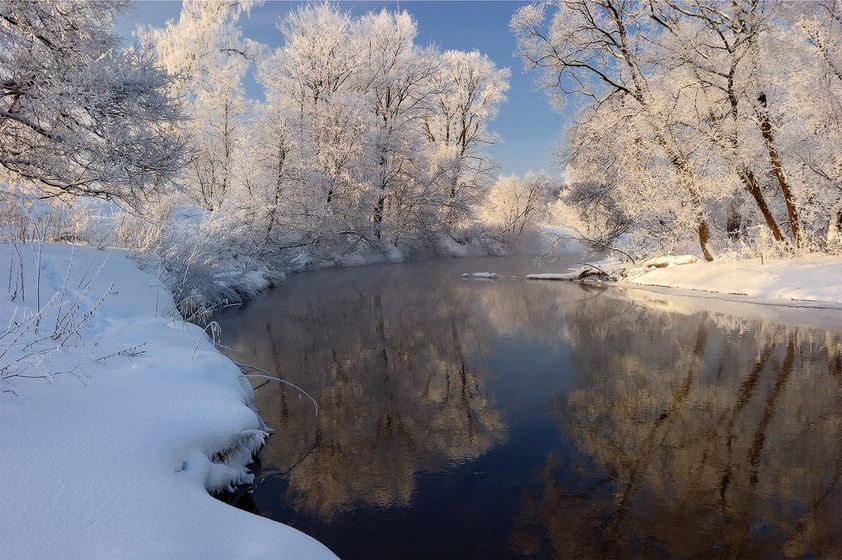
(733, 224)
(279, 181)
(704, 237)
(834, 226)
(684, 178)
(381, 200)
(753, 188)
(702, 224)
(378, 216)
(777, 167)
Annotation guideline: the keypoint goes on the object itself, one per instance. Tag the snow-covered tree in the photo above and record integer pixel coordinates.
(364, 106)
(515, 204)
(714, 55)
(598, 49)
(396, 79)
(81, 115)
(804, 97)
(469, 89)
(694, 117)
(206, 54)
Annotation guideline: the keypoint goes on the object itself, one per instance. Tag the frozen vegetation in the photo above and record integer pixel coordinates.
(118, 419)
(366, 147)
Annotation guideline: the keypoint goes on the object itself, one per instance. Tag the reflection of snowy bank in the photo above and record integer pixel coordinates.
(688, 302)
(130, 419)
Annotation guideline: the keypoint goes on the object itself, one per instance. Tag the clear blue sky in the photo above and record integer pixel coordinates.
(527, 127)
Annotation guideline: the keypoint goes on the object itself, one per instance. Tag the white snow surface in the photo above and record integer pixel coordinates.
(553, 276)
(112, 457)
(669, 261)
(816, 278)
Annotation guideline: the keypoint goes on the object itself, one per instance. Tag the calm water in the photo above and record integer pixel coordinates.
(482, 419)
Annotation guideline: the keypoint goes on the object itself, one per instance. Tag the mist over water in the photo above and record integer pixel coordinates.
(477, 418)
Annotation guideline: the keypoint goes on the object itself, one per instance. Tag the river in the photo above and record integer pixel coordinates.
(467, 418)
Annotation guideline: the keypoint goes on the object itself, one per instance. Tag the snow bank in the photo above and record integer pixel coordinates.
(485, 275)
(117, 418)
(553, 276)
(669, 261)
(805, 279)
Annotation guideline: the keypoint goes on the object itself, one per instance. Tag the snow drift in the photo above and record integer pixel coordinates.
(118, 418)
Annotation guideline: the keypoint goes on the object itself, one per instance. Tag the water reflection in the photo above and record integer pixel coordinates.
(395, 393)
(478, 419)
(712, 437)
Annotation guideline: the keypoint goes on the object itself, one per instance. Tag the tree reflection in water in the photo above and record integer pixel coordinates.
(622, 424)
(712, 436)
(395, 396)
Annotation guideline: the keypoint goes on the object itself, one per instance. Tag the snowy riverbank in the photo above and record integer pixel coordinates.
(810, 281)
(117, 418)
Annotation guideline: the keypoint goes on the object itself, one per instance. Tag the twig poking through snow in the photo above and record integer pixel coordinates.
(215, 329)
(266, 375)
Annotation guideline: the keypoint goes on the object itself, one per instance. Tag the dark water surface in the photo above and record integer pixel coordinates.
(483, 419)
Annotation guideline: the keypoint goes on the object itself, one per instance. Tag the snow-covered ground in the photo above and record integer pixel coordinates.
(813, 279)
(808, 281)
(552, 276)
(117, 417)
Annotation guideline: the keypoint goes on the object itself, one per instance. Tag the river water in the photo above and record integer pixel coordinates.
(463, 418)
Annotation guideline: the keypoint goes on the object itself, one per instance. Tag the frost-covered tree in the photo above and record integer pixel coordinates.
(598, 49)
(314, 73)
(468, 91)
(364, 141)
(804, 97)
(515, 204)
(205, 52)
(714, 55)
(363, 106)
(81, 115)
(396, 79)
(694, 117)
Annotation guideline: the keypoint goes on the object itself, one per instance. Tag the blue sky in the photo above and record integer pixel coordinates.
(527, 127)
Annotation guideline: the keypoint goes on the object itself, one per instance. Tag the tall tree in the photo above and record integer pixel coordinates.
(595, 48)
(208, 58)
(717, 48)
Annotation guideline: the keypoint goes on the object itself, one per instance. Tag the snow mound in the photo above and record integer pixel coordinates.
(656, 263)
(126, 416)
